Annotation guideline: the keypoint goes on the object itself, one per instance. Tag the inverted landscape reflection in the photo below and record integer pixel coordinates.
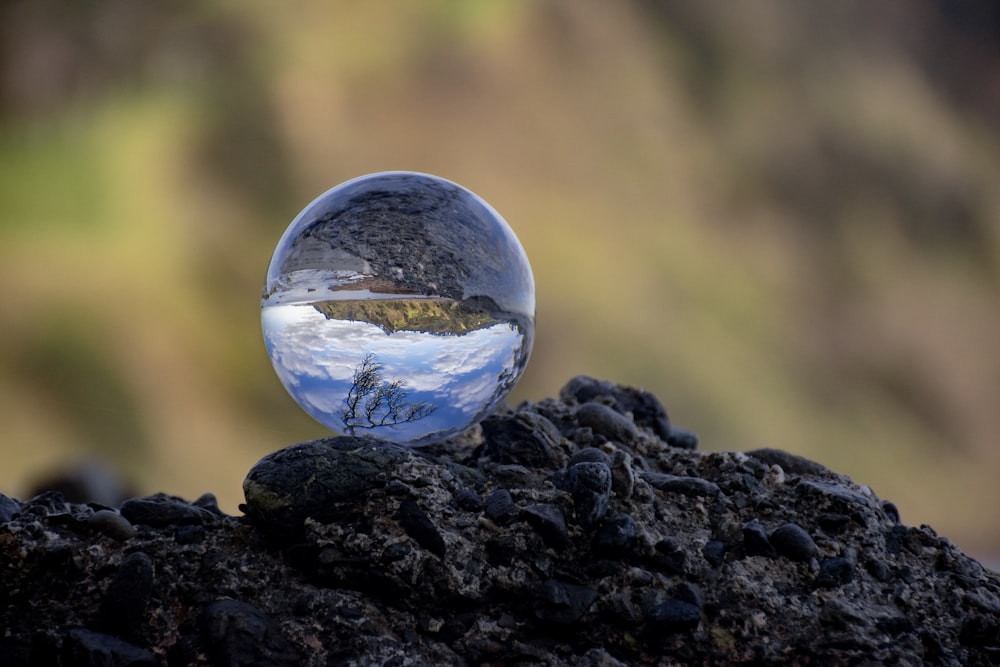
(443, 381)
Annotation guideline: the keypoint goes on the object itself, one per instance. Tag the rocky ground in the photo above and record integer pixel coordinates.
(580, 531)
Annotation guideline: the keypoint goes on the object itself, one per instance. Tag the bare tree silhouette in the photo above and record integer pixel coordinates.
(373, 401)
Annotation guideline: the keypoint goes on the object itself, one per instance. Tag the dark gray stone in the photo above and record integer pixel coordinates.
(523, 438)
(682, 438)
(755, 540)
(9, 508)
(669, 556)
(615, 538)
(834, 572)
(688, 486)
(563, 603)
(87, 648)
(590, 485)
(645, 408)
(317, 479)
(588, 455)
(674, 615)
(549, 522)
(500, 506)
(112, 523)
(418, 525)
(124, 603)
(793, 542)
(236, 633)
(714, 552)
(469, 500)
(790, 463)
(163, 510)
(606, 421)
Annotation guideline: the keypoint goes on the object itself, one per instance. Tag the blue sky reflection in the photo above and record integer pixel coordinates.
(316, 359)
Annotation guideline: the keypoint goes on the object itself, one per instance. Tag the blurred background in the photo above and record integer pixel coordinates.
(782, 218)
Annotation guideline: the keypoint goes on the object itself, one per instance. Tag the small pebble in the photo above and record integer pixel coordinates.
(189, 534)
(469, 500)
(714, 552)
(124, 603)
(687, 486)
(112, 524)
(208, 501)
(548, 521)
(793, 542)
(682, 438)
(891, 510)
(162, 510)
(524, 438)
(615, 538)
(562, 603)
(590, 485)
(669, 556)
(690, 592)
(500, 506)
(588, 455)
(755, 540)
(418, 525)
(834, 572)
(9, 508)
(622, 476)
(792, 464)
(646, 409)
(604, 420)
(237, 633)
(674, 615)
(88, 648)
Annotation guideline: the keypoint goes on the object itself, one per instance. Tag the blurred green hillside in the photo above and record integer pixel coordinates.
(783, 218)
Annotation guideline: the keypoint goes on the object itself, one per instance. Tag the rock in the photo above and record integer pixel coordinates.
(563, 603)
(834, 572)
(163, 510)
(615, 538)
(523, 438)
(590, 485)
(645, 408)
(9, 508)
(418, 525)
(87, 648)
(500, 506)
(317, 479)
(669, 556)
(674, 616)
(793, 542)
(112, 523)
(549, 522)
(688, 486)
(124, 603)
(469, 500)
(790, 463)
(714, 552)
(236, 633)
(355, 551)
(588, 455)
(756, 541)
(604, 420)
(682, 438)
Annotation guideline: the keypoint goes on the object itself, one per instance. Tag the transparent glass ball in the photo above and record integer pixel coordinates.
(400, 306)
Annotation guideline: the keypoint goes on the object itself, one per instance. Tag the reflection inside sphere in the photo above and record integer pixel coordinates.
(399, 306)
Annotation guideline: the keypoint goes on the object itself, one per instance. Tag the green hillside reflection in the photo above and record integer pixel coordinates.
(440, 316)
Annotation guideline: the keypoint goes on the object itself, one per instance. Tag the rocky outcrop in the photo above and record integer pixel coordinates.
(584, 530)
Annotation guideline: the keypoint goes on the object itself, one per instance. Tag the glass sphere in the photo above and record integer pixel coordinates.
(400, 306)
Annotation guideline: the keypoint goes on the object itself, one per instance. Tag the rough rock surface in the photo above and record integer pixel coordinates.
(579, 531)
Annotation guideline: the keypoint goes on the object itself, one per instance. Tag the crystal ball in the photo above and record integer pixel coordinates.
(400, 306)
